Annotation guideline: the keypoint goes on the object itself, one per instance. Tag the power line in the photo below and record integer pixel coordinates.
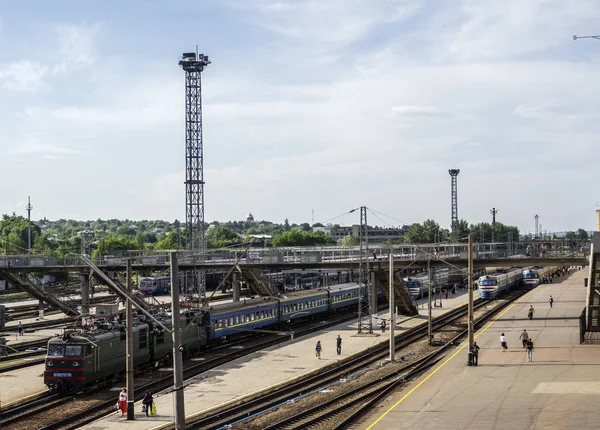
(390, 217)
(378, 217)
(341, 215)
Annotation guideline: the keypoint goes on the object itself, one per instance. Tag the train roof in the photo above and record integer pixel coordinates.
(302, 294)
(343, 287)
(241, 305)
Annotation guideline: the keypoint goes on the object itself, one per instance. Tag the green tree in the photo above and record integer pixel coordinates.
(14, 234)
(582, 234)
(109, 244)
(462, 230)
(301, 238)
(169, 241)
(348, 241)
(416, 234)
(220, 236)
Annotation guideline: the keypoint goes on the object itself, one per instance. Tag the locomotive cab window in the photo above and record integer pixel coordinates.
(73, 350)
(160, 338)
(56, 350)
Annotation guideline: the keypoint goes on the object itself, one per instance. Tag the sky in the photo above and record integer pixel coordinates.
(319, 106)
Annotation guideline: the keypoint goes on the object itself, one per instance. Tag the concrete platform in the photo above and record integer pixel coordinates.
(264, 369)
(18, 384)
(560, 389)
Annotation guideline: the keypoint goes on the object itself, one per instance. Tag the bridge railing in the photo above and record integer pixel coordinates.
(310, 255)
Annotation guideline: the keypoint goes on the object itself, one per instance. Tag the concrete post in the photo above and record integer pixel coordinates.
(129, 347)
(339, 273)
(177, 347)
(470, 284)
(429, 293)
(236, 287)
(392, 310)
(85, 294)
(41, 309)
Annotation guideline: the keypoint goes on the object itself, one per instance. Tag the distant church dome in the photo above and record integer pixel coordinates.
(250, 218)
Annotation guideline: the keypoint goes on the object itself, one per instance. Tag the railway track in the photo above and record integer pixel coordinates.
(345, 409)
(100, 402)
(351, 404)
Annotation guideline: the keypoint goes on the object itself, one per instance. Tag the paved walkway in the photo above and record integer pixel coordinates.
(560, 389)
(264, 369)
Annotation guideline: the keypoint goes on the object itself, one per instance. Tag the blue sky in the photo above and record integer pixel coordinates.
(307, 105)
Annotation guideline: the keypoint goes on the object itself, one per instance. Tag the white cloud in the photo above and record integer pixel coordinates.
(23, 75)
(76, 45)
(340, 104)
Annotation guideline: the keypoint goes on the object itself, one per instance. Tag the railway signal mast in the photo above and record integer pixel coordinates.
(194, 64)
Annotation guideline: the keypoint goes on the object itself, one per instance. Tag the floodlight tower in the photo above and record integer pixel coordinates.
(493, 211)
(454, 201)
(194, 64)
(29, 209)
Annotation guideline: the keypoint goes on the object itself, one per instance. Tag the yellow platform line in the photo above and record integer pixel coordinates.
(480, 332)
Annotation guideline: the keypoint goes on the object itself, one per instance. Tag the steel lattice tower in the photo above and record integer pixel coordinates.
(454, 201)
(194, 64)
(365, 322)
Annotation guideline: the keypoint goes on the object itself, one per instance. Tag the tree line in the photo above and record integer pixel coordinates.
(62, 238)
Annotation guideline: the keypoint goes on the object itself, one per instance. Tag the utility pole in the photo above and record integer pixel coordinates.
(177, 347)
(493, 211)
(129, 347)
(470, 285)
(29, 208)
(429, 325)
(392, 310)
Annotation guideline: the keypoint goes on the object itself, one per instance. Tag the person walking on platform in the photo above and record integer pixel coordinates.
(318, 349)
(550, 300)
(147, 402)
(503, 342)
(339, 344)
(529, 350)
(383, 325)
(525, 337)
(20, 327)
(123, 401)
(446, 293)
(475, 353)
(530, 312)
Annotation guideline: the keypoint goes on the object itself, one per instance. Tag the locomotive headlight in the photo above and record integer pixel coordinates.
(50, 363)
(76, 364)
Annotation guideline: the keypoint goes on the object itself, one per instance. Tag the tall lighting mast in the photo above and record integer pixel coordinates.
(454, 201)
(194, 64)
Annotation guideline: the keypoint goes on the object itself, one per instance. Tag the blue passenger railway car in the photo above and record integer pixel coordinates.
(234, 318)
(344, 295)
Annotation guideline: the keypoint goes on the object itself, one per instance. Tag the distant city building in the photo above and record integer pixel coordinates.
(375, 234)
(250, 218)
(326, 230)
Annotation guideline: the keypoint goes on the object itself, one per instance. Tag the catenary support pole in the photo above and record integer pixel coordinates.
(429, 293)
(392, 310)
(85, 294)
(470, 285)
(177, 347)
(236, 286)
(129, 347)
